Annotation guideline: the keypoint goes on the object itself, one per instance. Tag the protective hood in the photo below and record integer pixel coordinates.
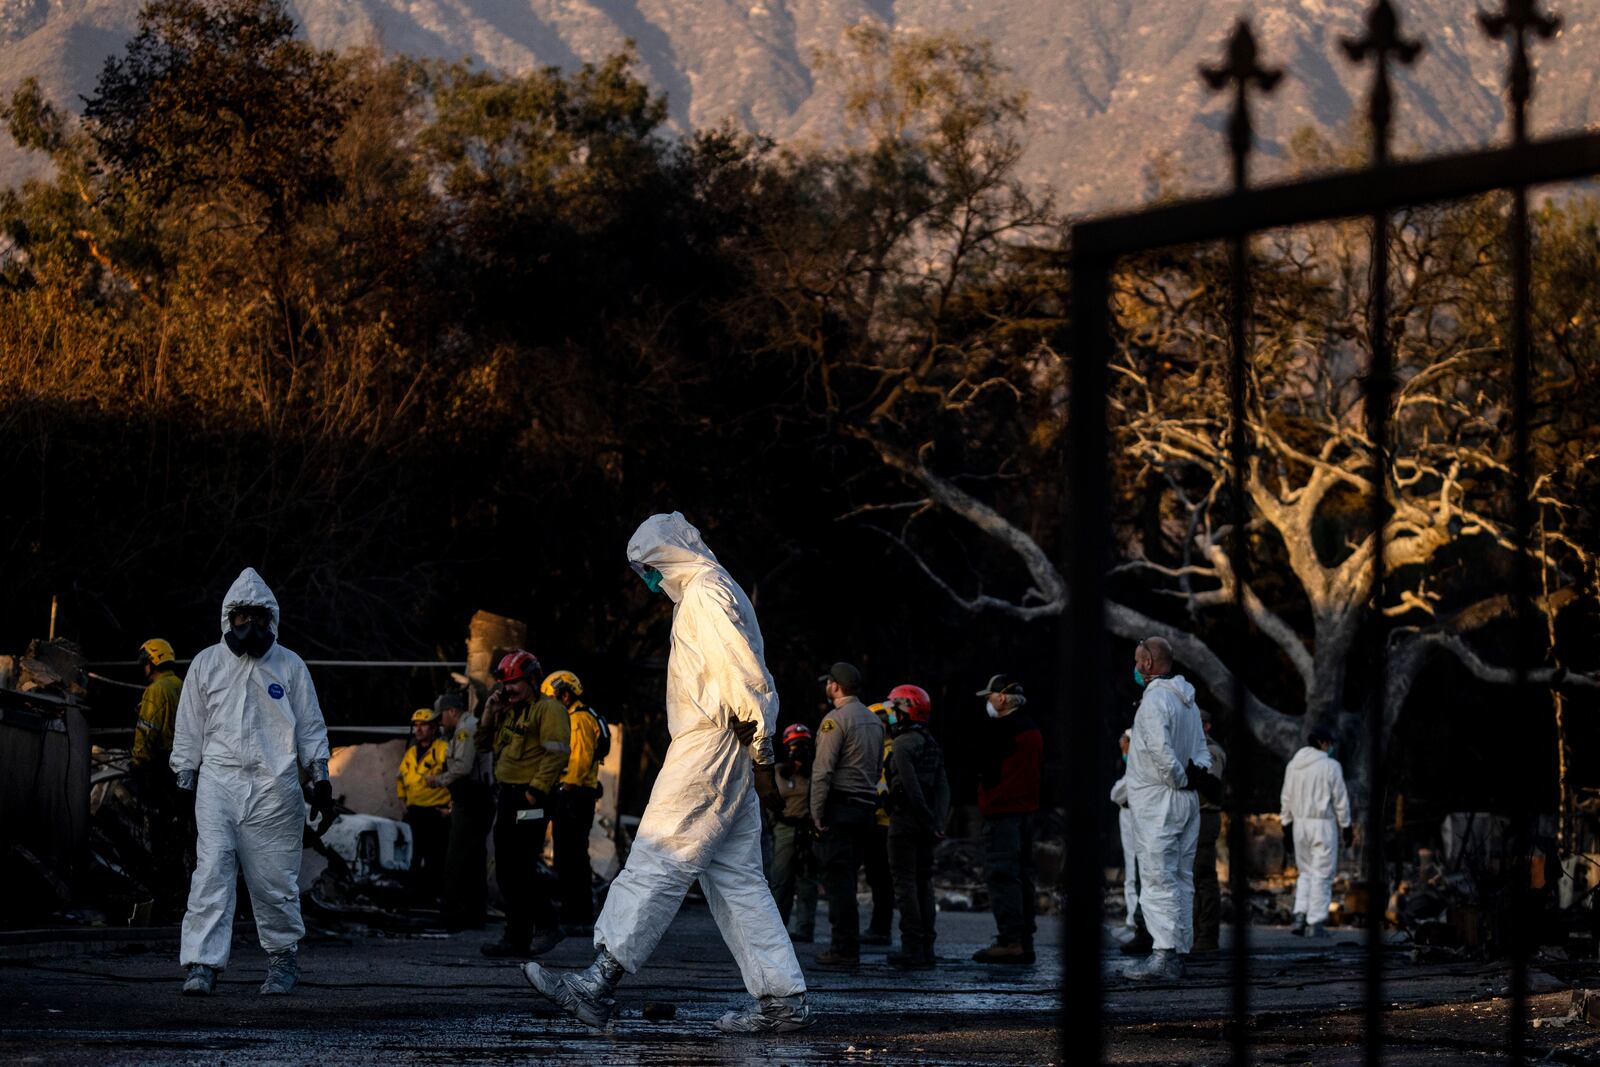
(671, 545)
(1306, 757)
(248, 590)
(1178, 684)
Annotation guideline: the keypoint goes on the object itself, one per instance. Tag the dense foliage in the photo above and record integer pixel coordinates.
(418, 338)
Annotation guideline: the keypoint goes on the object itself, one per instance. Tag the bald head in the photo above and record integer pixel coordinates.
(1153, 656)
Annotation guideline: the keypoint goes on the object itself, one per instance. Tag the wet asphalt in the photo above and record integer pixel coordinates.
(371, 998)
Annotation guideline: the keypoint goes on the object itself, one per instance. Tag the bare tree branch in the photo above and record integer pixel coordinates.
(1276, 730)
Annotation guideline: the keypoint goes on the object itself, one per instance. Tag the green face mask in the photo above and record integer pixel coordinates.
(649, 575)
(1138, 677)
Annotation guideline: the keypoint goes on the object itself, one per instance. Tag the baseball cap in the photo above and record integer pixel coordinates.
(845, 674)
(1001, 683)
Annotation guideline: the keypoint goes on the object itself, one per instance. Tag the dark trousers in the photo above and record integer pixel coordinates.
(169, 823)
(518, 844)
(1008, 863)
(794, 876)
(875, 864)
(842, 848)
(911, 862)
(573, 817)
(1207, 894)
(430, 840)
(466, 862)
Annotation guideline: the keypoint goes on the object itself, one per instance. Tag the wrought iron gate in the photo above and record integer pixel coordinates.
(1373, 192)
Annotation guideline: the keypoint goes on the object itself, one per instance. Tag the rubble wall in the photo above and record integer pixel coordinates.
(363, 777)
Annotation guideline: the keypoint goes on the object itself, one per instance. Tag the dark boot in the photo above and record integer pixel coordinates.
(833, 960)
(545, 940)
(1012, 952)
(913, 956)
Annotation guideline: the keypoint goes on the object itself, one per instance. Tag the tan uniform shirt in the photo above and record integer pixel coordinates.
(849, 757)
(464, 762)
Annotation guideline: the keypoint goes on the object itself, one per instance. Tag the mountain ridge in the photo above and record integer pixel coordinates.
(1115, 98)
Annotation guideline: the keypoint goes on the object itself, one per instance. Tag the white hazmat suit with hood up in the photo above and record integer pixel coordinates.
(1314, 806)
(703, 819)
(248, 725)
(1167, 737)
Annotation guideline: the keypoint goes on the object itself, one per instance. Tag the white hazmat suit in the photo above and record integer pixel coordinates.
(1315, 806)
(1167, 737)
(1130, 855)
(248, 725)
(703, 819)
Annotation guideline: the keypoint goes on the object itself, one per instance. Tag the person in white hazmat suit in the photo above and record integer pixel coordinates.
(248, 725)
(1316, 808)
(1130, 861)
(703, 819)
(1167, 759)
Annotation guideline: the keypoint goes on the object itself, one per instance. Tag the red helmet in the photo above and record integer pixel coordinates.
(799, 731)
(911, 701)
(518, 666)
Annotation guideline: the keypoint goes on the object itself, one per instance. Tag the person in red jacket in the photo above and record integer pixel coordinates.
(1008, 796)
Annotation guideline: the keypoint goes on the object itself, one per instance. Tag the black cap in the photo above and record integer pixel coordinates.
(450, 700)
(1001, 683)
(846, 675)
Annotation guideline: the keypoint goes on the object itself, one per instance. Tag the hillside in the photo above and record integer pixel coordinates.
(1114, 95)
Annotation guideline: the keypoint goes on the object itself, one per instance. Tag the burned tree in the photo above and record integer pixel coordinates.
(931, 325)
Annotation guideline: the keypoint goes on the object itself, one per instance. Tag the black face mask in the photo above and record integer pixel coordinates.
(901, 725)
(251, 639)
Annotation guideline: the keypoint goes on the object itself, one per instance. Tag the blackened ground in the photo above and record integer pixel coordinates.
(432, 999)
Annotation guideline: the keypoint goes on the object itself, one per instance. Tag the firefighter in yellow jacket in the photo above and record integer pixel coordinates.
(427, 806)
(532, 738)
(575, 799)
(158, 712)
(169, 816)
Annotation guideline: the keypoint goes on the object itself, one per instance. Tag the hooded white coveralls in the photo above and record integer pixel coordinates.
(248, 726)
(703, 820)
(1130, 854)
(1167, 737)
(1315, 805)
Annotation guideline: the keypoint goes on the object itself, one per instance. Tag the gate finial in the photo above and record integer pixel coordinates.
(1382, 42)
(1241, 70)
(1518, 17)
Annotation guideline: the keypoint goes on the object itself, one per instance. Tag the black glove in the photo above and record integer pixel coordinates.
(322, 805)
(744, 730)
(1347, 836)
(767, 787)
(1202, 781)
